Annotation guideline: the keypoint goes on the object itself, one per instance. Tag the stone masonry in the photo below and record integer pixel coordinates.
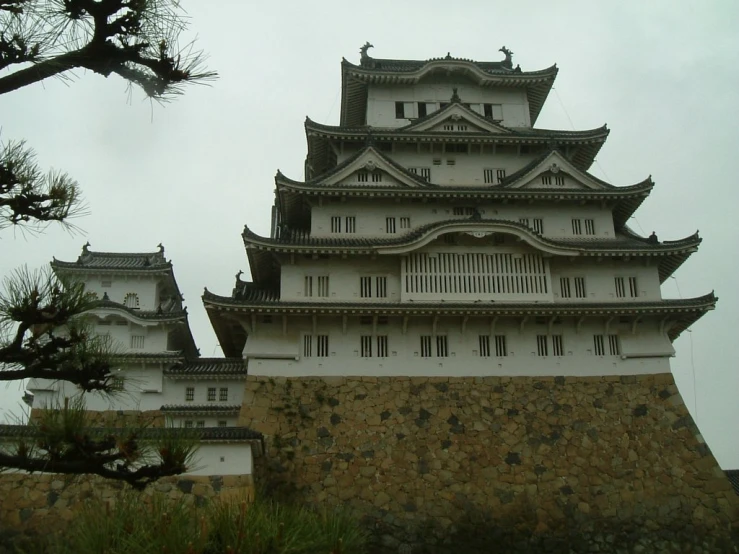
(408, 452)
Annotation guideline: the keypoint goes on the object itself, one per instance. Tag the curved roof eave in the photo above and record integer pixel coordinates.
(423, 235)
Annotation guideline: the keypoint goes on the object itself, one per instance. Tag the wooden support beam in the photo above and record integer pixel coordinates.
(405, 324)
(634, 324)
(524, 319)
(579, 323)
(464, 323)
(434, 324)
(608, 325)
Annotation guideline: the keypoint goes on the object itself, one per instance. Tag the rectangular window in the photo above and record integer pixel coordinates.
(404, 110)
(494, 111)
(223, 394)
(308, 286)
(538, 225)
(598, 345)
(376, 177)
(451, 162)
(426, 346)
(589, 226)
(524, 221)
(484, 341)
(500, 176)
(382, 346)
(322, 346)
(421, 109)
(463, 210)
(335, 224)
(351, 224)
(399, 110)
(576, 227)
(501, 347)
(366, 346)
(381, 287)
(488, 176)
(362, 176)
(188, 424)
(442, 346)
(436, 161)
(557, 346)
(137, 341)
(542, 345)
(211, 394)
(189, 394)
(559, 180)
(308, 346)
(632, 287)
(579, 287)
(322, 286)
(546, 180)
(389, 224)
(200, 424)
(117, 384)
(614, 348)
(222, 423)
(365, 287)
(422, 172)
(620, 289)
(449, 127)
(564, 287)
(405, 222)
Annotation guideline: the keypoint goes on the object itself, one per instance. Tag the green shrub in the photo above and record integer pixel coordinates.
(264, 526)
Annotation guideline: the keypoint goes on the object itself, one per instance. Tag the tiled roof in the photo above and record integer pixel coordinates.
(201, 409)
(205, 434)
(140, 261)
(156, 315)
(733, 475)
(380, 65)
(686, 310)
(208, 367)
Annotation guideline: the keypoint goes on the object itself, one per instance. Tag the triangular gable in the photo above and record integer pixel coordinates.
(555, 172)
(455, 114)
(370, 168)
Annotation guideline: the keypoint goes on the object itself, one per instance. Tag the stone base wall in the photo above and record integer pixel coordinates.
(45, 502)
(117, 418)
(413, 454)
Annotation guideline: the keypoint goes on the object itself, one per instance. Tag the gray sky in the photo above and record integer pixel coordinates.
(663, 75)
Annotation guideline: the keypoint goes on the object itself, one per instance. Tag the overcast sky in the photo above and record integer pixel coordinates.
(663, 75)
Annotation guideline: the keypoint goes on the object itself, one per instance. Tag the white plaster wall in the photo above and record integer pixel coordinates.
(136, 395)
(222, 459)
(146, 286)
(210, 421)
(381, 100)
(344, 278)
(155, 335)
(463, 360)
(371, 215)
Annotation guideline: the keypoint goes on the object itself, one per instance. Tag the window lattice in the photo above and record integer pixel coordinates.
(614, 347)
(382, 346)
(426, 346)
(475, 273)
(484, 341)
(598, 345)
(211, 394)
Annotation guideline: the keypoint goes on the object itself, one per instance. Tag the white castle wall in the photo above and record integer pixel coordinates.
(381, 100)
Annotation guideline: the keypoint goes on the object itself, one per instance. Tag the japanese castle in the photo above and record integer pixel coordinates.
(438, 232)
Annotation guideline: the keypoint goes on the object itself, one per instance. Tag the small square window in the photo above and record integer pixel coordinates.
(189, 394)
(211, 394)
(223, 394)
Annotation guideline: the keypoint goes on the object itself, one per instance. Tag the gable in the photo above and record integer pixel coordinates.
(369, 168)
(456, 116)
(554, 172)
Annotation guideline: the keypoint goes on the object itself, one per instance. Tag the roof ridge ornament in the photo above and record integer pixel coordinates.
(366, 60)
(508, 62)
(455, 97)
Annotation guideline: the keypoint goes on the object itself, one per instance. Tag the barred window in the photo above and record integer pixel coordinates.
(211, 394)
(365, 287)
(501, 348)
(632, 287)
(322, 286)
(484, 341)
(366, 346)
(137, 341)
(376, 177)
(542, 345)
(577, 227)
(381, 287)
(614, 347)
(589, 226)
(538, 225)
(426, 346)
(564, 287)
(188, 424)
(308, 346)
(598, 345)
(336, 224)
(463, 210)
(362, 176)
(308, 286)
(222, 423)
(559, 180)
(382, 346)
(390, 225)
(580, 287)
(546, 180)
(524, 221)
(322, 346)
(223, 394)
(131, 300)
(620, 289)
(200, 424)
(557, 346)
(442, 346)
(405, 222)
(351, 224)
(189, 394)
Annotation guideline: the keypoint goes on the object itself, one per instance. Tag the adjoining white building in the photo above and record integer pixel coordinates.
(437, 232)
(162, 377)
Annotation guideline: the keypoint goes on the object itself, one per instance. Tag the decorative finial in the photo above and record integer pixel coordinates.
(86, 248)
(508, 62)
(106, 297)
(369, 140)
(448, 55)
(161, 248)
(238, 276)
(653, 239)
(455, 97)
(365, 59)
